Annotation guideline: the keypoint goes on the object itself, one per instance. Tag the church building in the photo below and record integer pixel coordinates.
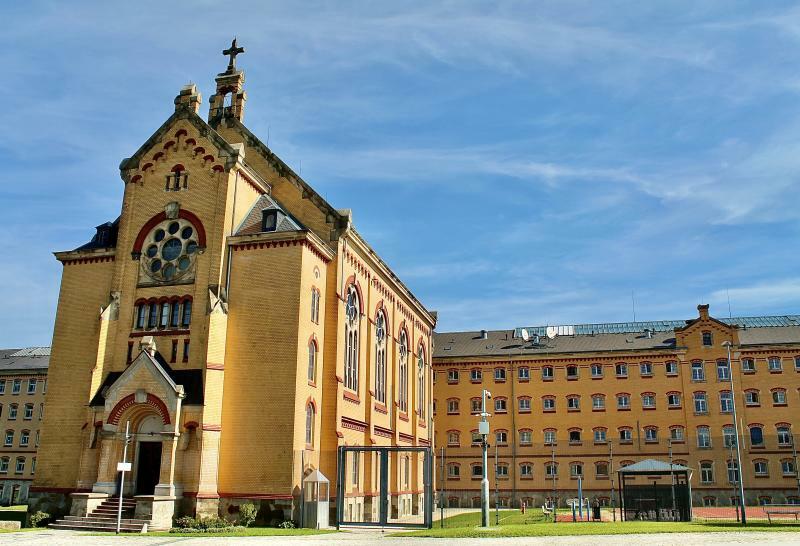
(238, 327)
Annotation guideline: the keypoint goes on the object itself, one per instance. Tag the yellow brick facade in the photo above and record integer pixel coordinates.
(190, 320)
(664, 369)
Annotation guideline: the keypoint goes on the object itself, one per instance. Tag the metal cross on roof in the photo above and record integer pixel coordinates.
(232, 52)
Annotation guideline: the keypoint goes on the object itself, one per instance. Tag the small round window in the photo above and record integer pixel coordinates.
(170, 250)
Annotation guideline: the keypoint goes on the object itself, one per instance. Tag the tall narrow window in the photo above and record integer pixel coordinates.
(310, 424)
(351, 332)
(174, 354)
(312, 361)
(164, 315)
(380, 358)
(403, 371)
(141, 312)
(187, 312)
(152, 322)
(315, 305)
(176, 314)
(421, 382)
(185, 350)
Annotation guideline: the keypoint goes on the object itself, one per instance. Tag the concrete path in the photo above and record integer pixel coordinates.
(368, 538)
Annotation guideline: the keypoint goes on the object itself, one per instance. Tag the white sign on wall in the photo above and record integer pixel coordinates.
(123, 467)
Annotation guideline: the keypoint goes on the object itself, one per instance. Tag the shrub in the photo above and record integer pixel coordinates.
(288, 524)
(186, 522)
(213, 523)
(247, 514)
(39, 519)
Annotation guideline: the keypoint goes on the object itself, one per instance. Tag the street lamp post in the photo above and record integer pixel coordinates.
(483, 429)
(727, 345)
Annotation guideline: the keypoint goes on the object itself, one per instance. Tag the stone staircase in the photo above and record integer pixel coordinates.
(104, 518)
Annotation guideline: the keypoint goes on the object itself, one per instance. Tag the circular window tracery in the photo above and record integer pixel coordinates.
(170, 250)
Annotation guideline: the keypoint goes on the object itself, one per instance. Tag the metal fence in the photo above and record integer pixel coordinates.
(557, 473)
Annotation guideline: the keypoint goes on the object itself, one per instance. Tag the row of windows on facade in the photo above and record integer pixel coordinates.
(168, 314)
(27, 412)
(352, 349)
(621, 370)
(173, 352)
(601, 469)
(752, 398)
(19, 467)
(24, 438)
(677, 433)
(16, 386)
(604, 501)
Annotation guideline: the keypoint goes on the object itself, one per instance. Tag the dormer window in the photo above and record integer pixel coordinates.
(269, 220)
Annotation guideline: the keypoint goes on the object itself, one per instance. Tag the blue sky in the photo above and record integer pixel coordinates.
(517, 163)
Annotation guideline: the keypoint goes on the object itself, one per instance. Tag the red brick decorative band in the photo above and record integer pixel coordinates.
(354, 424)
(130, 401)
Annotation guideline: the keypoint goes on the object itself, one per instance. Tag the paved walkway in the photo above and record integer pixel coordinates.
(368, 538)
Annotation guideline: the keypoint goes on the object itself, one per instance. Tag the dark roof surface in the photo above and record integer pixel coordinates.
(104, 237)
(33, 359)
(623, 336)
(192, 381)
(252, 222)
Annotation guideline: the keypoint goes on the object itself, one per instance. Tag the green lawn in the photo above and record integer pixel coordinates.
(249, 532)
(532, 524)
(16, 507)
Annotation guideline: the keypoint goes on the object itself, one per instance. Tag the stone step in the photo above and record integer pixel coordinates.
(86, 526)
(132, 521)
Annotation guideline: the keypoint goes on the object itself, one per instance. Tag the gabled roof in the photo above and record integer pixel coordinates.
(30, 359)
(104, 237)
(191, 380)
(181, 112)
(283, 169)
(652, 466)
(252, 222)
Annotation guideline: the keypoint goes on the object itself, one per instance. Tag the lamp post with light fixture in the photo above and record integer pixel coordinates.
(483, 430)
(728, 345)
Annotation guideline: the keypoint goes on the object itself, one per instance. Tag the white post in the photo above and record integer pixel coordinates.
(727, 345)
(122, 468)
(484, 430)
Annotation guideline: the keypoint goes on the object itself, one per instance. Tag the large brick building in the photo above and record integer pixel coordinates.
(585, 400)
(23, 384)
(245, 331)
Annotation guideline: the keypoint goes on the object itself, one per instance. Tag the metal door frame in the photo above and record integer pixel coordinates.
(383, 481)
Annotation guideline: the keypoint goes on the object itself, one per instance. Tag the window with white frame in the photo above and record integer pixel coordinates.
(551, 469)
(9, 440)
(452, 375)
(526, 470)
(501, 437)
(623, 401)
(598, 402)
(356, 468)
(751, 398)
(452, 406)
(453, 438)
(476, 405)
(650, 434)
(774, 363)
(547, 372)
(601, 469)
(621, 370)
(625, 435)
(748, 365)
(421, 391)
(310, 424)
(648, 400)
(760, 467)
(779, 397)
(12, 412)
(28, 412)
(707, 472)
(723, 370)
(16, 386)
(4, 465)
(475, 374)
(24, 438)
(500, 405)
(728, 436)
(477, 470)
(525, 404)
(525, 437)
(453, 470)
(402, 387)
(676, 434)
(725, 402)
(671, 367)
(573, 403)
(575, 436)
(703, 437)
(600, 435)
(2, 386)
(733, 471)
(499, 374)
(698, 371)
(20, 467)
(31, 386)
(312, 361)
(549, 436)
(646, 369)
(524, 373)
(797, 363)
(597, 370)
(787, 467)
(784, 436)
(549, 403)
(572, 371)
(502, 470)
(674, 399)
(700, 402)
(576, 469)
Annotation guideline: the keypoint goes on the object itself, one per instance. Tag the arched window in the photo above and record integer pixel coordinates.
(380, 357)
(402, 401)
(421, 381)
(310, 424)
(351, 332)
(24, 438)
(312, 360)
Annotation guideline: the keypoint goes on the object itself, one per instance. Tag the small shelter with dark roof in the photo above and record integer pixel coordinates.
(645, 495)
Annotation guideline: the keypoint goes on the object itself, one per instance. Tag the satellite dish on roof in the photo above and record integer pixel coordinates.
(524, 334)
(552, 332)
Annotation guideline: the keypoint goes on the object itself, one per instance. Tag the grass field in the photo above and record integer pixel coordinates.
(249, 532)
(515, 524)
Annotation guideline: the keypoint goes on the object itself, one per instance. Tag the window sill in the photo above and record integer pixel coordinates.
(599, 409)
(572, 378)
(573, 410)
(523, 380)
(649, 408)
(526, 477)
(623, 409)
(621, 377)
(698, 413)
(758, 447)
(652, 442)
(674, 407)
(524, 411)
(499, 380)
(576, 443)
(748, 372)
(776, 371)
(646, 376)
(752, 405)
(601, 443)
(525, 445)
(452, 382)
(380, 408)
(626, 442)
(312, 384)
(476, 381)
(448, 413)
(453, 478)
(351, 397)
(547, 379)
(672, 375)
(779, 405)
(453, 445)
(404, 417)
(500, 412)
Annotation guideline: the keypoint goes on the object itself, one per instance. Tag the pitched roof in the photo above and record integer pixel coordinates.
(30, 359)
(622, 336)
(192, 381)
(652, 466)
(252, 222)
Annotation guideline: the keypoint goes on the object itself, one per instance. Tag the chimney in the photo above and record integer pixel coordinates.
(703, 310)
(484, 334)
(648, 333)
(189, 98)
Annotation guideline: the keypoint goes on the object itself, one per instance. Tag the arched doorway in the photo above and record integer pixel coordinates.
(148, 455)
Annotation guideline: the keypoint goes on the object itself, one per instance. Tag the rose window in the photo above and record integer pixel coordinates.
(169, 251)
